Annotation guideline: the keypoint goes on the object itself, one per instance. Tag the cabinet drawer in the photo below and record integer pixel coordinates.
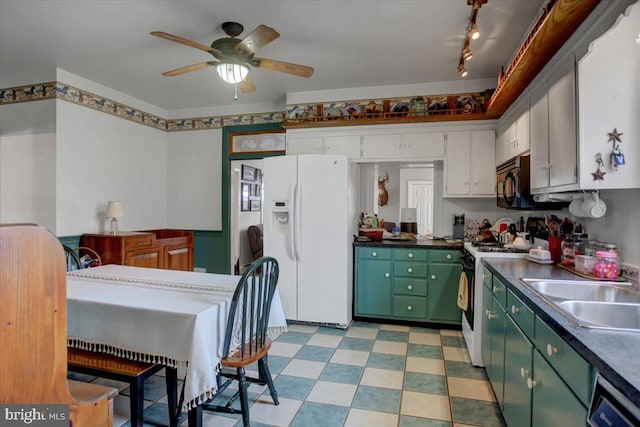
(452, 256)
(416, 287)
(410, 255)
(374, 253)
(411, 307)
(499, 291)
(409, 269)
(520, 313)
(487, 277)
(573, 369)
(137, 242)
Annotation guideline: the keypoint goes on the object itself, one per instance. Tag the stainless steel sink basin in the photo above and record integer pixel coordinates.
(607, 315)
(583, 290)
(592, 304)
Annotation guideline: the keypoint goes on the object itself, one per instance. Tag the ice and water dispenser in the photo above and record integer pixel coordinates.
(280, 216)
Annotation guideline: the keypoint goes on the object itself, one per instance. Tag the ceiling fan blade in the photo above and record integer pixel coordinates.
(256, 39)
(247, 85)
(283, 67)
(189, 68)
(182, 40)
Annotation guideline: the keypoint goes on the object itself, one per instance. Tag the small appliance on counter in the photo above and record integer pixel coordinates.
(458, 226)
(408, 220)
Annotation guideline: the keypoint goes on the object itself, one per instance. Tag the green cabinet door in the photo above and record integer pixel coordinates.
(496, 335)
(442, 293)
(373, 288)
(553, 402)
(517, 369)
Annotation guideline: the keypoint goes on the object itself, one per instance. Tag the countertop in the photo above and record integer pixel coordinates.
(615, 354)
(418, 243)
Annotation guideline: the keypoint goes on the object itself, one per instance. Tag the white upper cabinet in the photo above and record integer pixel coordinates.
(469, 164)
(514, 136)
(347, 145)
(382, 147)
(420, 146)
(539, 173)
(305, 145)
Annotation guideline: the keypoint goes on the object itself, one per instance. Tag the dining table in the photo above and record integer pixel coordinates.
(170, 317)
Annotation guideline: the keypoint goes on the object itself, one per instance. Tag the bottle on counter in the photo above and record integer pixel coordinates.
(568, 252)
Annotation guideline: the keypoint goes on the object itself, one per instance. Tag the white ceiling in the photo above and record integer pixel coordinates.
(349, 43)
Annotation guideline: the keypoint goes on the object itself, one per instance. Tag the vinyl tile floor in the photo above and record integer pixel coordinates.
(370, 375)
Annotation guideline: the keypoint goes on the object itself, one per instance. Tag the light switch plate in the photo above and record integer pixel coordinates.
(630, 272)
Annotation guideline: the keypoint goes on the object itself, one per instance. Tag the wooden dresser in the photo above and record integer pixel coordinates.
(168, 249)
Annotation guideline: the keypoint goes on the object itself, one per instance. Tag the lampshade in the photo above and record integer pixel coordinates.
(232, 73)
(114, 210)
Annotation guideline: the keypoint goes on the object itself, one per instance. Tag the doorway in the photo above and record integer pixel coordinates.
(420, 196)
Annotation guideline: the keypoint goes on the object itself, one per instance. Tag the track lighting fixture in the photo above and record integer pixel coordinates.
(466, 52)
(472, 33)
(473, 29)
(461, 69)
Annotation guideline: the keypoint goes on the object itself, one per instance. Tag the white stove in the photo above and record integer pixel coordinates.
(473, 333)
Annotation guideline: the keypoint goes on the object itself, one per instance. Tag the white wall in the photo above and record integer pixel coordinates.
(100, 157)
(194, 180)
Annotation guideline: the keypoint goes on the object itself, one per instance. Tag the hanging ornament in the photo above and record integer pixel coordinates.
(598, 175)
(616, 158)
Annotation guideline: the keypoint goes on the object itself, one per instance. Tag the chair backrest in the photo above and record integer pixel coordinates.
(73, 261)
(33, 340)
(254, 234)
(250, 307)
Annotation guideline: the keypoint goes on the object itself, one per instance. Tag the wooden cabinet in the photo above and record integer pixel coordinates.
(469, 160)
(407, 284)
(168, 249)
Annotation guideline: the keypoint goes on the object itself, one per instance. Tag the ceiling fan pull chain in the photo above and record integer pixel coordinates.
(235, 95)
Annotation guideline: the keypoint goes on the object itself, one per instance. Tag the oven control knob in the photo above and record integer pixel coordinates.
(410, 255)
(409, 287)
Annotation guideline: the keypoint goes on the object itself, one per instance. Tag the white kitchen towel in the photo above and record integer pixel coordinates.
(463, 292)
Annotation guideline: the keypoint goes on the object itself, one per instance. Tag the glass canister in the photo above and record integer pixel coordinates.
(568, 253)
(591, 248)
(579, 243)
(607, 265)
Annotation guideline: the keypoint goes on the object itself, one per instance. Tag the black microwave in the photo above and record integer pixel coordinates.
(513, 190)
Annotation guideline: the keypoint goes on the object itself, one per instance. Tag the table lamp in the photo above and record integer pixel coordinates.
(114, 211)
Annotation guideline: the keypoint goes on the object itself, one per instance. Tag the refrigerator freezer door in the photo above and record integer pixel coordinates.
(279, 183)
(323, 236)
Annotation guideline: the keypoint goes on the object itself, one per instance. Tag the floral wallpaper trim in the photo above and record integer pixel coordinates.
(59, 90)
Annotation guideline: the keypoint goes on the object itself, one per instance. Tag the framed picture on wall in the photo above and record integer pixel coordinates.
(255, 205)
(245, 202)
(248, 173)
(257, 188)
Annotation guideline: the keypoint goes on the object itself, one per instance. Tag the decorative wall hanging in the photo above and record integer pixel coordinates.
(383, 195)
(616, 158)
(598, 175)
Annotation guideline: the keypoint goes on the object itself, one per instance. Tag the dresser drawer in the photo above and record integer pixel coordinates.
(410, 255)
(520, 313)
(409, 269)
(410, 307)
(417, 287)
(374, 253)
(573, 369)
(499, 291)
(452, 256)
(137, 242)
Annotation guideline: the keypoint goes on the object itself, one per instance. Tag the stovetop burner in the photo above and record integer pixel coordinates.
(497, 247)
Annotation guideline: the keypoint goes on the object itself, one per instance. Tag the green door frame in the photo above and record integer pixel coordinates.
(227, 131)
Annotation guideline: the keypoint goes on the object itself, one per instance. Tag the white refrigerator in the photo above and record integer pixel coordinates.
(309, 221)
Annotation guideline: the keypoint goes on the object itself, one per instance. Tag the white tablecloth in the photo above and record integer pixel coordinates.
(176, 318)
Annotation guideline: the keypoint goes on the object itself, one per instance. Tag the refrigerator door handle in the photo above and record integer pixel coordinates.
(296, 221)
(291, 229)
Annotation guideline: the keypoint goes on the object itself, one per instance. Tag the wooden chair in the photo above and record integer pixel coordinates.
(247, 330)
(33, 338)
(116, 368)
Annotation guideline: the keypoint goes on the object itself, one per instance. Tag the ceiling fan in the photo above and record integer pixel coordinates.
(234, 56)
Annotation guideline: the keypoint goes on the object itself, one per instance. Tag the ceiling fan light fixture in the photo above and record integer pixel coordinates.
(232, 73)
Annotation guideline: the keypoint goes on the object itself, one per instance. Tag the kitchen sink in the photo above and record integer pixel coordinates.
(592, 304)
(583, 290)
(607, 315)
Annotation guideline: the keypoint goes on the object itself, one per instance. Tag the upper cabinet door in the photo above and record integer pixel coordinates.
(457, 164)
(539, 172)
(483, 175)
(562, 128)
(386, 147)
(522, 128)
(304, 145)
(347, 145)
(427, 145)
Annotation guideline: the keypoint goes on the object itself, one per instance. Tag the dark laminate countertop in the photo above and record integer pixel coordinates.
(615, 354)
(418, 243)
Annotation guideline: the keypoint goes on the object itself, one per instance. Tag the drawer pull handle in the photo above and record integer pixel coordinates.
(514, 309)
(139, 243)
(433, 277)
(410, 255)
(409, 270)
(448, 256)
(531, 383)
(409, 287)
(524, 372)
(386, 274)
(374, 254)
(496, 289)
(409, 308)
(484, 276)
(490, 315)
(551, 350)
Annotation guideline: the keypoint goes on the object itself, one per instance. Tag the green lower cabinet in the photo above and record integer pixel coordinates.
(496, 335)
(373, 288)
(553, 403)
(517, 370)
(442, 297)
